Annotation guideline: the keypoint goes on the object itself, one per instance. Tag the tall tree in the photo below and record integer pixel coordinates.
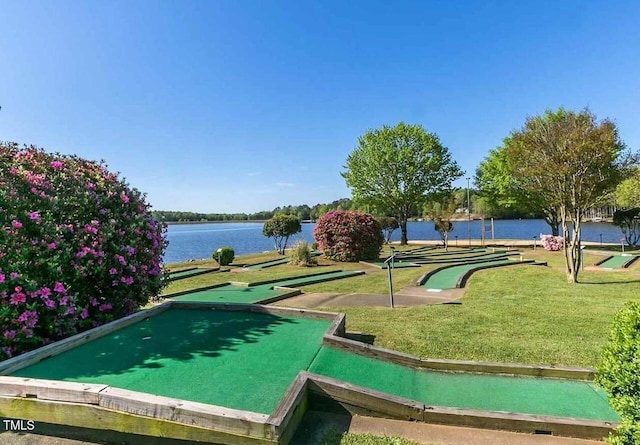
(496, 181)
(280, 228)
(571, 161)
(393, 169)
(627, 194)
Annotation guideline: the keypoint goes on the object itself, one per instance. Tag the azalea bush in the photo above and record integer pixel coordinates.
(78, 247)
(552, 243)
(349, 236)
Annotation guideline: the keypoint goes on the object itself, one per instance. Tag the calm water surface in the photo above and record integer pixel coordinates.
(197, 241)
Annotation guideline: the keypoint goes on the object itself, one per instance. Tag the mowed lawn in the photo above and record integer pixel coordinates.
(521, 314)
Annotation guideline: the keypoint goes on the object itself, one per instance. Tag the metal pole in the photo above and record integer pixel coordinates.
(468, 213)
(389, 262)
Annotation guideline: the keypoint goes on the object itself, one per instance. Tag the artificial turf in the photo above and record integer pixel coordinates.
(448, 278)
(617, 261)
(231, 294)
(524, 395)
(239, 360)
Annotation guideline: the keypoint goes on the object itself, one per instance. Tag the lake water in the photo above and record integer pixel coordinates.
(197, 241)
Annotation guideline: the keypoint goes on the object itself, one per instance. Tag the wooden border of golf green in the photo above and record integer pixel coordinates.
(356, 399)
(632, 259)
(201, 272)
(335, 339)
(464, 278)
(105, 407)
(101, 406)
(462, 281)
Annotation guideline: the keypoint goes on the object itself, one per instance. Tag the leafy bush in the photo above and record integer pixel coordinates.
(301, 254)
(552, 243)
(314, 246)
(280, 228)
(388, 224)
(619, 373)
(349, 236)
(629, 223)
(224, 255)
(78, 247)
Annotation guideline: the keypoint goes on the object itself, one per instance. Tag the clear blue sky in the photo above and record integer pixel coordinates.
(239, 106)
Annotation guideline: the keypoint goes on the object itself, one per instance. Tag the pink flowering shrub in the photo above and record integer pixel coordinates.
(78, 247)
(349, 236)
(552, 243)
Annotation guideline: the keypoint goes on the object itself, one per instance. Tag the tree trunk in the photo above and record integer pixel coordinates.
(572, 251)
(445, 238)
(403, 231)
(552, 219)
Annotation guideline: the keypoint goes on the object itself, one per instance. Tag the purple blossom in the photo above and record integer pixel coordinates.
(56, 165)
(104, 307)
(14, 275)
(59, 287)
(84, 314)
(113, 271)
(16, 224)
(2, 278)
(10, 334)
(51, 246)
(34, 216)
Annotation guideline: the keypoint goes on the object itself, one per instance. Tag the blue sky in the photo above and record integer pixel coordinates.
(239, 106)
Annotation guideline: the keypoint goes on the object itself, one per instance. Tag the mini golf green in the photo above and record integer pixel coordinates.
(254, 294)
(468, 258)
(276, 262)
(189, 273)
(618, 261)
(523, 395)
(396, 264)
(240, 360)
(449, 277)
(231, 294)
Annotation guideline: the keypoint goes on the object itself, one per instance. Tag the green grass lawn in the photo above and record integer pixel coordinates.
(523, 314)
(335, 438)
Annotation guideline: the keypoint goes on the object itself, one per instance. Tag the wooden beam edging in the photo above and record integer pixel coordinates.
(202, 415)
(197, 289)
(101, 418)
(287, 416)
(462, 281)
(513, 369)
(277, 280)
(288, 292)
(31, 357)
(250, 307)
(196, 274)
(407, 409)
(55, 390)
(184, 270)
(631, 261)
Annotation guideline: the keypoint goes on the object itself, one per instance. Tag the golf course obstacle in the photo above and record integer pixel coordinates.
(191, 272)
(246, 374)
(261, 292)
(456, 275)
(621, 261)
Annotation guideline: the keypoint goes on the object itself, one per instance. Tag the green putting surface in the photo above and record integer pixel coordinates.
(254, 294)
(317, 278)
(187, 273)
(277, 262)
(231, 294)
(522, 395)
(239, 360)
(617, 261)
(476, 258)
(448, 278)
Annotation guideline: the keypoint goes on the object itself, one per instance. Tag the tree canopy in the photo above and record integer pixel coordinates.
(280, 228)
(571, 161)
(498, 185)
(393, 169)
